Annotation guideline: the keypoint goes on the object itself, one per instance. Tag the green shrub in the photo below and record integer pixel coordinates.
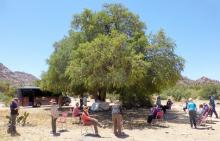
(112, 96)
(208, 90)
(5, 98)
(178, 93)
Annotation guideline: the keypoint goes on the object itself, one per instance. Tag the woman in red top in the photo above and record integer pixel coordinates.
(87, 120)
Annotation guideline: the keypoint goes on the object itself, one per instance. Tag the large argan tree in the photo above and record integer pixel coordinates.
(110, 52)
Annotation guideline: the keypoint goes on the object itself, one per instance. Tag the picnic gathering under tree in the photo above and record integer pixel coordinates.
(110, 51)
(111, 57)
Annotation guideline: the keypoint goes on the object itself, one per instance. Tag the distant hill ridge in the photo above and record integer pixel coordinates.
(16, 78)
(201, 81)
(19, 79)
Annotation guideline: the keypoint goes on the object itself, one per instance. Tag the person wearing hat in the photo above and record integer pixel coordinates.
(87, 120)
(192, 112)
(54, 115)
(14, 113)
(117, 117)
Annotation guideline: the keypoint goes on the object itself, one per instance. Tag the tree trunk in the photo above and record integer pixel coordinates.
(102, 94)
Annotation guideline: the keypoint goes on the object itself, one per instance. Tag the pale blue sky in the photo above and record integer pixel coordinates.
(28, 29)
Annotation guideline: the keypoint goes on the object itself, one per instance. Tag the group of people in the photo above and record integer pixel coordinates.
(117, 119)
(195, 115)
(190, 106)
(158, 107)
(88, 120)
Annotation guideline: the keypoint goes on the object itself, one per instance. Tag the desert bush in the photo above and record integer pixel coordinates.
(208, 90)
(6, 93)
(178, 93)
(5, 98)
(113, 96)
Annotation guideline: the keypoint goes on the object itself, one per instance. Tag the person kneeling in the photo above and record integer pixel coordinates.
(87, 120)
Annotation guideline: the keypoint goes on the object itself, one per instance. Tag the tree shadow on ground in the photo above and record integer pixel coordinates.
(133, 119)
(94, 135)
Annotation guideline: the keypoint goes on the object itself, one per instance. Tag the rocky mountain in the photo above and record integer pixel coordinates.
(201, 81)
(16, 78)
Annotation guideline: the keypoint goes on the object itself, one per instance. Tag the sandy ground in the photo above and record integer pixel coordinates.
(175, 127)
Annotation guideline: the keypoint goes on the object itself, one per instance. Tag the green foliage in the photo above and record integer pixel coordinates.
(6, 99)
(22, 119)
(112, 96)
(178, 93)
(6, 93)
(195, 91)
(109, 51)
(208, 90)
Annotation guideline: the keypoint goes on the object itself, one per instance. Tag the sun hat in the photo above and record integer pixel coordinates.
(190, 99)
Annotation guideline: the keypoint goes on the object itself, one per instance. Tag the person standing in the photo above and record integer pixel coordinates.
(14, 113)
(191, 106)
(117, 117)
(54, 116)
(81, 102)
(158, 103)
(85, 101)
(212, 104)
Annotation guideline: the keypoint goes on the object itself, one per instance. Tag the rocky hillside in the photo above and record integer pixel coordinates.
(201, 81)
(16, 78)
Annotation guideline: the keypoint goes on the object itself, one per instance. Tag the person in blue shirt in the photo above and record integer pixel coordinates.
(212, 104)
(191, 106)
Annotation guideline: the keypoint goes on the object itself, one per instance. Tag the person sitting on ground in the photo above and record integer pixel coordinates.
(117, 118)
(153, 114)
(169, 104)
(87, 120)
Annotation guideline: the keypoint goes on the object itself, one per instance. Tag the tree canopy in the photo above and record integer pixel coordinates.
(110, 51)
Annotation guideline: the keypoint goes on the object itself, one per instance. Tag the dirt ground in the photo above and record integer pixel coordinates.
(175, 127)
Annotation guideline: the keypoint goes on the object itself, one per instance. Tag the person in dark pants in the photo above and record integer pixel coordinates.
(158, 103)
(14, 113)
(54, 116)
(81, 102)
(191, 106)
(169, 104)
(212, 104)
